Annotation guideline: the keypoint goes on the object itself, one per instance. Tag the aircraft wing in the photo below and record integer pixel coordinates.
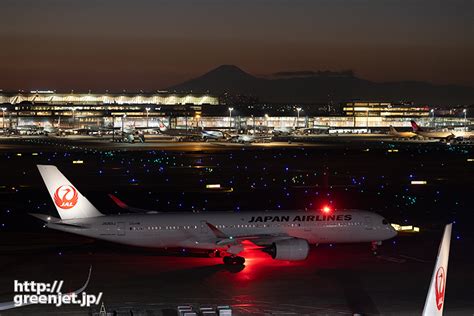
(258, 239)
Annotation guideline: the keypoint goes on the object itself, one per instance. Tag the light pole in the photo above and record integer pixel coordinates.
(113, 128)
(197, 117)
(465, 116)
(298, 110)
(147, 122)
(230, 118)
(367, 121)
(123, 122)
(186, 118)
(3, 120)
(266, 122)
(73, 118)
(432, 117)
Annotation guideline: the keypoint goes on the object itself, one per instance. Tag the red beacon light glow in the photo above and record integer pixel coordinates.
(326, 209)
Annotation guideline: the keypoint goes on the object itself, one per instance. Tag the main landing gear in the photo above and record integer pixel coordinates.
(216, 254)
(374, 247)
(234, 260)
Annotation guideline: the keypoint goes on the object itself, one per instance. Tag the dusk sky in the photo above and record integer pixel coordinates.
(151, 44)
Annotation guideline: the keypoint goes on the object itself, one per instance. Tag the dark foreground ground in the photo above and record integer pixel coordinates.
(336, 279)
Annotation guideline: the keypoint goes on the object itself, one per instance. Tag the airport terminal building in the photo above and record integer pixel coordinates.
(186, 110)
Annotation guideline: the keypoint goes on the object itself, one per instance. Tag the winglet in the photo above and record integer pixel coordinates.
(124, 206)
(119, 202)
(12, 304)
(78, 291)
(435, 299)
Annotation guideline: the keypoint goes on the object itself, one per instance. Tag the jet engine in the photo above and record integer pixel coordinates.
(289, 249)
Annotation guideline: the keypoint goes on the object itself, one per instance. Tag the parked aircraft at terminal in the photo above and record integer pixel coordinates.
(285, 235)
(442, 135)
(395, 133)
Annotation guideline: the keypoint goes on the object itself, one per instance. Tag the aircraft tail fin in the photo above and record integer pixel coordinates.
(415, 127)
(435, 299)
(393, 131)
(162, 126)
(69, 202)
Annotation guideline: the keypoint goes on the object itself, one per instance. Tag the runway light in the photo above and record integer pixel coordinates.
(78, 162)
(470, 159)
(418, 182)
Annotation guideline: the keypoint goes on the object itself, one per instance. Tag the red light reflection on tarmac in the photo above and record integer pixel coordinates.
(257, 263)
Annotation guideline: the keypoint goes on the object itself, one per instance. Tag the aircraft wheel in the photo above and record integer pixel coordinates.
(230, 260)
(240, 260)
(220, 254)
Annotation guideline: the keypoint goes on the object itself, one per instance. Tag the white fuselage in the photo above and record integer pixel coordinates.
(437, 135)
(190, 230)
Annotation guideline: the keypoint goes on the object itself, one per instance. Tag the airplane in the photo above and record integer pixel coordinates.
(316, 129)
(395, 133)
(25, 130)
(284, 235)
(208, 134)
(435, 299)
(193, 134)
(249, 138)
(282, 131)
(286, 131)
(434, 303)
(179, 134)
(431, 134)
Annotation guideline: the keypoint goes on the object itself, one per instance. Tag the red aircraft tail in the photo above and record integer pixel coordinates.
(415, 127)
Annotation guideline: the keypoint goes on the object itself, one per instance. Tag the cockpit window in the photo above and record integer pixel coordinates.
(384, 221)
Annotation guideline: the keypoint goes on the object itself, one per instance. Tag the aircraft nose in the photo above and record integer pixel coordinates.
(388, 230)
(392, 232)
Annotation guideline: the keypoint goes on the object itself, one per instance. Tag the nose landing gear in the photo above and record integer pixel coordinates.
(374, 247)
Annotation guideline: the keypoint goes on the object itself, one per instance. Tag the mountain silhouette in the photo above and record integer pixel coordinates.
(323, 86)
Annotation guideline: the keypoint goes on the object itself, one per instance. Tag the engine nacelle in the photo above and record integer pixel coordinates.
(289, 249)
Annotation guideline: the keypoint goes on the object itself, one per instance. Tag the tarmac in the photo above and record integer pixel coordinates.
(342, 279)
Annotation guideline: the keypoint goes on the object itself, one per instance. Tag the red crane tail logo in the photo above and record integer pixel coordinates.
(440, 284)
(65, 197)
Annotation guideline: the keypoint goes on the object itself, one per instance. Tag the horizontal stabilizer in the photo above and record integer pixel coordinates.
(45, 218)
